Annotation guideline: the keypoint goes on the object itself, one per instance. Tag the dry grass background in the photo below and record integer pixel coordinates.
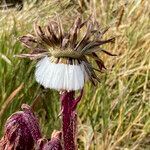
(115, 115)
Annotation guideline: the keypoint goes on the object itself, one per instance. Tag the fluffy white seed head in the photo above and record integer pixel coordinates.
(60, 76)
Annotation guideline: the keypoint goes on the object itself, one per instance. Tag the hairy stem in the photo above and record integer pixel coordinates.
(69, 116)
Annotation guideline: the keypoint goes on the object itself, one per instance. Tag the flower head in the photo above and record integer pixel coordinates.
(63, 54)
(21, 131)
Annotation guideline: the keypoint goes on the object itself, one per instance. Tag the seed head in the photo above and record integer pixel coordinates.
(64, 54)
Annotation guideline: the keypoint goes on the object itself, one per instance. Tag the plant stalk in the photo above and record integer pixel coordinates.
(69, 119)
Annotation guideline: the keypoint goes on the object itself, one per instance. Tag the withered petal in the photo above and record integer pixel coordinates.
(74, 31)
(99, 62)
(28, 40)
(40, 34)
(32, 56)
(108, 53)
(53, 32)
(31, 42)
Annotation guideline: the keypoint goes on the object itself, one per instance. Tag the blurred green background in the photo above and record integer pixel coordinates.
(115, 115)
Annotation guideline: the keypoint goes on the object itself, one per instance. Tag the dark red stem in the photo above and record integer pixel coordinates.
(68, 106)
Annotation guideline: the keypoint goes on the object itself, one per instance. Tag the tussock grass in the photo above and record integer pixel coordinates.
(112, 116)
